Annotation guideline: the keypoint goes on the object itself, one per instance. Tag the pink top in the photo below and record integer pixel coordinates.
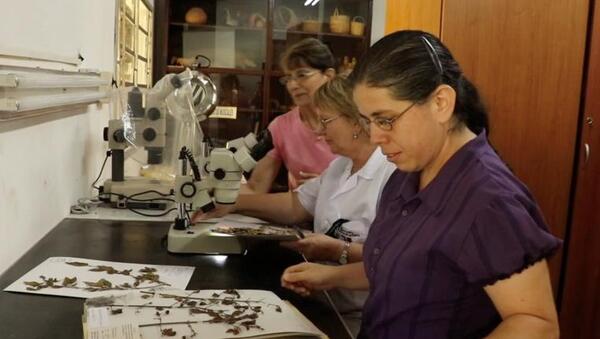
(298, 147)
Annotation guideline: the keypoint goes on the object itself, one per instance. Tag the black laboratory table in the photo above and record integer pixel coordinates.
(36, 316)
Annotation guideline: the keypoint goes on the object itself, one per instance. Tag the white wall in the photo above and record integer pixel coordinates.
(378, 20)
(45, 167)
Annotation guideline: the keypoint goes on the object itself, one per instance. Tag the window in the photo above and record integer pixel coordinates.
(134, 47)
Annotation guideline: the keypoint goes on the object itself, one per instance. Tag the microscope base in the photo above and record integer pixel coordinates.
(199, 239)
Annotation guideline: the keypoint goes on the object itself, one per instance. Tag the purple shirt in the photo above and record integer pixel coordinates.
(429, 253)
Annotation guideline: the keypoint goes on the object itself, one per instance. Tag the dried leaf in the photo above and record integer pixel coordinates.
(33, 283)
(69, 282)
(168, 332)
(101, 284)
(227, 301)
(233, 292)
(76, 263)
(234, 330)
(148, 270)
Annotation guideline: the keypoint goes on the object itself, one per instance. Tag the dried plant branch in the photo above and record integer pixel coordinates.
(147, 274)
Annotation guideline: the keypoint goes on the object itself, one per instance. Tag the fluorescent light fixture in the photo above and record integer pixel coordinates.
(29, 88)
(307, 2)
(29, 80)
(29, 103)
(315, 2)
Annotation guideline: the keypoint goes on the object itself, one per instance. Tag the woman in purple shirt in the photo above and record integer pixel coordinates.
(458, 246)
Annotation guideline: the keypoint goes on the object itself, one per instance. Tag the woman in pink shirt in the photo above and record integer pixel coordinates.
(307, 64)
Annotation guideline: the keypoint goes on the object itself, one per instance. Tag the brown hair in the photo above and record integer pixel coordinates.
(336, 96)
(308, 52)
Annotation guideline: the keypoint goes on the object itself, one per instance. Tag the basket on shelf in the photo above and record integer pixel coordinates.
(357, 26)
(311, 26)
(339, 23)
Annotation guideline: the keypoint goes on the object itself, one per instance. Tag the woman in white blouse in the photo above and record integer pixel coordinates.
(341, 203)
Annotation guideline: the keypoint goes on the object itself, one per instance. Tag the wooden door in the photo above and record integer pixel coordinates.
(526, 58)
(580, 309)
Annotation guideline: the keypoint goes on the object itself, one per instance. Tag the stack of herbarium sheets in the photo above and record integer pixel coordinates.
(199, 314)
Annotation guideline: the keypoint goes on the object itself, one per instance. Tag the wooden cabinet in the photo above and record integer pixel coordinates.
(580, 307)
(526, 58)
(244, 39)
(424, 15)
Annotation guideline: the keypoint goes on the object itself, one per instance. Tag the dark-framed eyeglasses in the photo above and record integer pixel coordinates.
(386, 124)
(299, 75)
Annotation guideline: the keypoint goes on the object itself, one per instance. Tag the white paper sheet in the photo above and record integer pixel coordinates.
(157, 313)
(59, 269)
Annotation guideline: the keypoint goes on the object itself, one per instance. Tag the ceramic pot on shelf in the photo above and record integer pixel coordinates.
(196, 16)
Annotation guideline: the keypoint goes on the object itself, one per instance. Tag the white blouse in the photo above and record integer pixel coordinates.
(336, 194)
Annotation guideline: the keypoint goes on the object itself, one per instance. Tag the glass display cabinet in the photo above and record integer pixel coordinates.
(239, 43)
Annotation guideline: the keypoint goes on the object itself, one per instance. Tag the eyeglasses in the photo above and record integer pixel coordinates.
(301, 75)
(324, 122)
(386, 124)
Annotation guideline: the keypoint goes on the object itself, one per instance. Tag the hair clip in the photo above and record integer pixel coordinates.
(433, 54)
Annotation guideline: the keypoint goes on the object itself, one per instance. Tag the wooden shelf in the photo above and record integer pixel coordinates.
(324, 34)
(198, 27)
(187, 26)
(218, 70)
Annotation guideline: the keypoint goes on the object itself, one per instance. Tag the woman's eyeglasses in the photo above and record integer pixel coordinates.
(386, 124)
(324, 122)
(300, 75)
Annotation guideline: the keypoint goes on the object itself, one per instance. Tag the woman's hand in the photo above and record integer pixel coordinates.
(305, 176)
(317, 247)
(306, 277)
(218, 211)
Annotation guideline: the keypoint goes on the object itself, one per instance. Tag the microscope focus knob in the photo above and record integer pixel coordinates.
(153, 113)
(119, 135)
(105, 134)
(219, 174)
(188, 190)
(149, 134)
(176, 82)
